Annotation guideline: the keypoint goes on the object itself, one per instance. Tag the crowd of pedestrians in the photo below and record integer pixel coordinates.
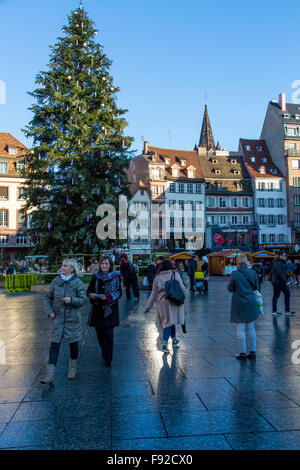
(67, 296)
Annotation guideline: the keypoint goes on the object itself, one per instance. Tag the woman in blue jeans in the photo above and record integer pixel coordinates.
(244, 311)
(169, 315)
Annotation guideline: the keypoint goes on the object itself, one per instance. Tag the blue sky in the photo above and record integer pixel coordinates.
(167, 56)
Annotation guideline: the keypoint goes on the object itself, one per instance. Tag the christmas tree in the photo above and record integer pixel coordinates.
(79, 152)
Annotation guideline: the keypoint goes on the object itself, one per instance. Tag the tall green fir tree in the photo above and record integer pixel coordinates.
(79, 153)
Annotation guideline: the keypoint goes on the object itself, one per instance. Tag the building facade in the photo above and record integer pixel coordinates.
(281, 132)
(230, 221)
(174, 182)
(13, 242)
(270, 208)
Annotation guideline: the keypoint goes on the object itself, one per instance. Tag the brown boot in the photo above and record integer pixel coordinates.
(49, 377)
(72, 368)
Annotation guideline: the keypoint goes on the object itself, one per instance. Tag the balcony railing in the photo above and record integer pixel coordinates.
(292, 152)
(296, 223)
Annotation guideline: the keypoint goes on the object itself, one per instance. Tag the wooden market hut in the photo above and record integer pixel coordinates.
(218, 260)
(262, 255)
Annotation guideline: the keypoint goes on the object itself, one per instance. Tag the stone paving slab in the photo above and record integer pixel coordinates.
(198, 397)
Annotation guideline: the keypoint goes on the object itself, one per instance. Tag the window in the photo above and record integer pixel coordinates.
(4, 239)
(296, 200)
(211, 219)
(21, 220)
(174, 171)
(3, 167)
(280, 202)
(167, 160)
(262, 170)
(261, 186)
(248, 148)
(154, 189)
(198, 188)
(222, 219)
(261, 202)
(21, 240)
(171, 221)
(181, 188)
(271, 219)
(297, 216)
(234, 219)
(211, 201)
(218, 172)
(245, 202)
(270, 202)
(215, 160)
(262, 219)
(295, 164)
(21, 193)
(183, 162)
(156, 173)
(12, 151)
(4, 192)
(296, 182)
(291, 131)
(259, 148)
(160, 189)
(172, 188)
(222, 202)
(3, 218)
(245, 219)
(271, 238)
(236, 172)
(239, 186)
(191, 173)
(270, 186)
(264, 159)
(280, 238)
(190, 188)
(234, 202)
(252, 159)
(263, 238)
(280, 219)
(20, 166)
(233, 162)
(219, 186)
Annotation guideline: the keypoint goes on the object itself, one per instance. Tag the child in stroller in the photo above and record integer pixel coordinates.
(199, 282)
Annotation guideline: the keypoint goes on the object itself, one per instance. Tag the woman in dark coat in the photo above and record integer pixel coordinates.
(244, 309)
(104, 292)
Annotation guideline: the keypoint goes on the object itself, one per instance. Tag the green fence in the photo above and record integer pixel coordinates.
(20, 282)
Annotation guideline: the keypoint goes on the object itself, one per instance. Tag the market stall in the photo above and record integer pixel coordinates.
(222, 263)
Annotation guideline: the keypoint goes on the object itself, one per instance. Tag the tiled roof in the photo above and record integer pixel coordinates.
(229, 170)
(6, 141)
(175, 157)
(291, 109)
(253, 167)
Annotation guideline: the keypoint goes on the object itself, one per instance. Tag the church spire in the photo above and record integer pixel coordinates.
(206, 137)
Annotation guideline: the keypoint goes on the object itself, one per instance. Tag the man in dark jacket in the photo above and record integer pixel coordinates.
(192, 268)
(280, 284)
(129, 275)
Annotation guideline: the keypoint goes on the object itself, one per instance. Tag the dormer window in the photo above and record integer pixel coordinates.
(174, 171)
(233, 162)
(217, 172)
(248, 148)
(183, 162)
(252, 158)
(286, 116)
(236, 172)
(215, 160)
(264, 159)
(191, 171)
(12, 151)
(262, 170)
(259, 148)
(297, 116)
(167, 161)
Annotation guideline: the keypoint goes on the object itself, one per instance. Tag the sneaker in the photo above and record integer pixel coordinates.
(165, 349)
(241, 356)
(292, 314)
(175, 341)
(276, 314)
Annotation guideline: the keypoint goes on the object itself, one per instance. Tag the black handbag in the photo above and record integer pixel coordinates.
(173, 291)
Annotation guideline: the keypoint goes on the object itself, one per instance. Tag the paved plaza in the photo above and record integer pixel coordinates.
(197, 397)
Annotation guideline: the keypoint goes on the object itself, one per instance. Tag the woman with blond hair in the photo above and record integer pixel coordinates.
(64, 300)
(244, 311)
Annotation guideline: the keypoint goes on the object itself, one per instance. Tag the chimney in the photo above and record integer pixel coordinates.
(282, 101)
(146, 147)
(201, 150)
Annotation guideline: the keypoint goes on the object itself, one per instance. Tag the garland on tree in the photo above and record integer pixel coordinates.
(79, 151)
